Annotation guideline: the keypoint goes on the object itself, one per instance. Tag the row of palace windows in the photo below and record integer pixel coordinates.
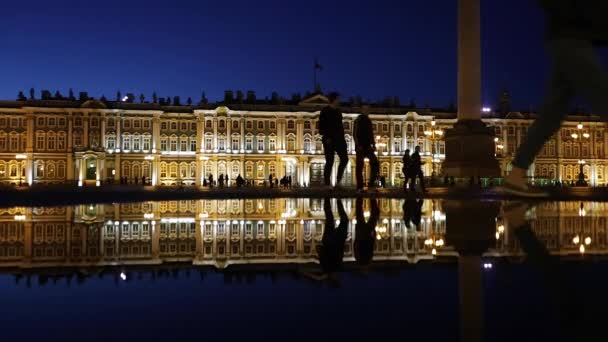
(49, 169)
(6, 122)
(15, 169)
(128, 230)
(51, 141)
(136, 169)
(133, 123)
(174, 125)
(170, 170)
(175, 143)
(51, 122)
(131, 142)
(13, 141)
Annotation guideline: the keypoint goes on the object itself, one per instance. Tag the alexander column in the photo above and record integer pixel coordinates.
(469, 144)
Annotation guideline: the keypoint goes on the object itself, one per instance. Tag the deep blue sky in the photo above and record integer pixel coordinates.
(372, 48)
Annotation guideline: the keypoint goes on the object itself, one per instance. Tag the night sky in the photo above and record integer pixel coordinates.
(370, 48)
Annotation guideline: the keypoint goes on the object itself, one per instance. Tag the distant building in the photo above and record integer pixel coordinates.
(90, 142)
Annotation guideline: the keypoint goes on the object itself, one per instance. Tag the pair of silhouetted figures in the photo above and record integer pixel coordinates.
(331, 249)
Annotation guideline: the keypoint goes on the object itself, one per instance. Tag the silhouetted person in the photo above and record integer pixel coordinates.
(331, 250)
(210, 180)
(574, 29)
(365, 232)
(365, 146)
(239, 181)
(415, 169)
(270, 180)
(331, 129)
(227, 180)
(289, 181)
(407, 162)
(412, 212)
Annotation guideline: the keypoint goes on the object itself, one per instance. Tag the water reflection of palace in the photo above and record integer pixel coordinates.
(267, 231)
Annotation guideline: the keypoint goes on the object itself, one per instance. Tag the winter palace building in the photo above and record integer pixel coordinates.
(92, 142)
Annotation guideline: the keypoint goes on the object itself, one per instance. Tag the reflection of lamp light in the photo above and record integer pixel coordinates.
(21, 156)
(19, 217)
(123, 276)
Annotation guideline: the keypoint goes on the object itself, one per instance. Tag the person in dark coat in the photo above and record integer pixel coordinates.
(406, 166)
(331, 129)
(415, 169)
(331, 250)
(574, 29)
(365, 232)
(365, 146)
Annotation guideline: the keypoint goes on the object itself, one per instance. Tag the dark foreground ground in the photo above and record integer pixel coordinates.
(61, 195)
(417, 303)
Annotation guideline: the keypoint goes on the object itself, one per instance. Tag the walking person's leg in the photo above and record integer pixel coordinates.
(374, 166)
(343, 155)
(328, 148)
(552, 113)
(359, 161)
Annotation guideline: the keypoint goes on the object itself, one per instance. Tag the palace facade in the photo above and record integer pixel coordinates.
(91, 142)
(220, 233)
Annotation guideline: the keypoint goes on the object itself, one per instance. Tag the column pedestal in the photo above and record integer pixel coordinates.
(469, 151)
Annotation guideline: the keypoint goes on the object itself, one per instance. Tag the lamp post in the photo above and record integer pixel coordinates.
(578, 238)
(581, 162)
(435, 135)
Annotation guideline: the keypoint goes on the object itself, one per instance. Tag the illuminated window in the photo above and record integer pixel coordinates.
(248, 170)
(39, 141)
(272, 143)
(260, 144)
(249, 143)
(173, 171)
(126, 142)
(146, 142)
(221, 143)
(163, 143)
(260, 172)
(183, 144)
(163, 170)
(136, 143)
(173, 143)
(208, 143)
(291, 143)
(193, 144)
(235, 143)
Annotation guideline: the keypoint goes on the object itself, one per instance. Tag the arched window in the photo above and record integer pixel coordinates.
(163, 170)
(50, 169)
(183, 143)
(126, 142)
(208, 141)
(136, 171)
(307, 143)
(39, 169)
(192, 170)
(249, 142)
(236, 142)
(260, 143)
(146, 142)
(260, 170)
(235, 169)
(61, 141)
(145, 170)
(272, 169)
(291, 142)
(61, 170)
(221, 142)
(40, 141)
(318, 144)
(136, 143)
(173, 170)
(272, 143)
(173, 143)
(126, 169)
(164, 143)
(3, 141)
(193, 143)
(249, 170)
(183, 170)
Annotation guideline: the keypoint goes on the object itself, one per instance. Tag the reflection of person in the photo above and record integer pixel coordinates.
(332, 130)
(365, 232)
(412, 212)
(574, 29)
(331, 250)
(365, 147)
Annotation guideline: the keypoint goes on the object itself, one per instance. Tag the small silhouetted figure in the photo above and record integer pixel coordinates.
(270, 180)
(276, 182)
(407, 162)
(365, 146)
(365, 232)
(239, 181)
(574, 30)
(331, 129)
(136, 179)
(331, 250)
(289, 181)
(210, 180)
(415, 169)
(383, 181)
(227, 180)
(220, 180)
(204, 182)
(412, 212)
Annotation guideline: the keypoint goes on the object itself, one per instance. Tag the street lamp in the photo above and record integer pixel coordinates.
(578, 238)
(435, 135)
(435, 238)
(499, 147)
(581, 162)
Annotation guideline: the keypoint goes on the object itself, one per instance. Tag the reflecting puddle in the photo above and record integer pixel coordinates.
(467, 267)
(278, 231)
